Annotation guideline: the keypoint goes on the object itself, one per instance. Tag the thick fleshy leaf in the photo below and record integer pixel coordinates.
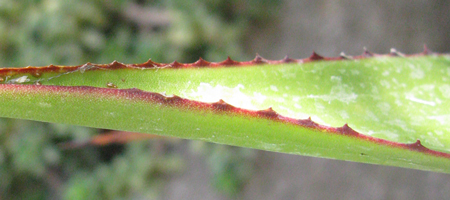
(397, 107)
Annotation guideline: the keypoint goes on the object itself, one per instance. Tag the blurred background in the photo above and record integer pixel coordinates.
(73, 32)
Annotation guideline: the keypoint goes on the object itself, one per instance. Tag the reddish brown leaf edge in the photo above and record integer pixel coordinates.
(219, 107)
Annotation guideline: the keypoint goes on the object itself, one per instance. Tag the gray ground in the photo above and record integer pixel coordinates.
(330, 27)
(283, 176)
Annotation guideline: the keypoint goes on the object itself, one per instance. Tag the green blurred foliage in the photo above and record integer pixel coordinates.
(72, 32)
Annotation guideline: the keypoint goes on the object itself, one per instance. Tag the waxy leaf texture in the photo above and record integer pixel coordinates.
(381, 109)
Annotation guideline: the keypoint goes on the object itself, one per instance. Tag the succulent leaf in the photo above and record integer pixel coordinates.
(381, 109)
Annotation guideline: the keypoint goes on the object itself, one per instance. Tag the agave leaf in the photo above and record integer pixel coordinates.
(397, 107)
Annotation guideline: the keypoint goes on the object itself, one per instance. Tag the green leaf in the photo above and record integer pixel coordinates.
(389, 102)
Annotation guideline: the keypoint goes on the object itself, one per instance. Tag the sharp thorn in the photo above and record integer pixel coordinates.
(315, 56)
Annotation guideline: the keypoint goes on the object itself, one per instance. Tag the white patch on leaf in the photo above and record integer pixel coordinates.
(207, 93)
(417, 100)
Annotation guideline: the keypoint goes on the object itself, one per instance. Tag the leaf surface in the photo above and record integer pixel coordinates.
(397, 107)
